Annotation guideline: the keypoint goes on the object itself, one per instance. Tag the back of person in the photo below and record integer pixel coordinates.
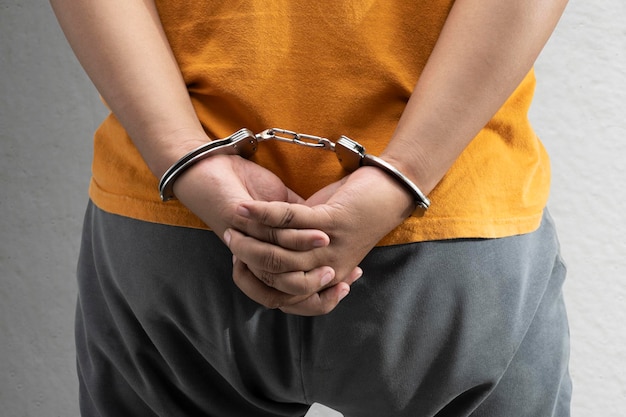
(329, 70)
(231, 299)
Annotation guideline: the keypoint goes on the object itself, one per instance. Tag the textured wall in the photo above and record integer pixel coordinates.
(579, 113)
(48, 111)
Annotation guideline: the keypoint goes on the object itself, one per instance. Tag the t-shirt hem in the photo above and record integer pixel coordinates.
(173, 213)
(461, 228)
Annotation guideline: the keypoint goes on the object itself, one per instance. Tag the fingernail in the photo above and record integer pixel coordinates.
(243, 212)
(344, 293)
(319, 243)
(328, 276)
(359, 273)
(227, 237)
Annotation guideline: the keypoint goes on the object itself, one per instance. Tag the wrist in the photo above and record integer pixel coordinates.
(390, 196)
(419, 198)
(160, 153)
(352, 155)
(413, 165)
(242, 143)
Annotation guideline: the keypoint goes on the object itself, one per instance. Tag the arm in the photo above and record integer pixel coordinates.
(123, 48)
(483, 53)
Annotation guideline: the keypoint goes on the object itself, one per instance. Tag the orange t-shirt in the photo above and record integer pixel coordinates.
(328, 69)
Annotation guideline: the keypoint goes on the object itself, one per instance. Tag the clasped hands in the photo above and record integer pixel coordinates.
(300, 256)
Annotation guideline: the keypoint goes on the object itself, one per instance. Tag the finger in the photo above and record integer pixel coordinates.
(356, 273)
(323, 195)
(299, 282)
(283, 215)
(264, 256)
(257, 291)
(294, 239)
(319, 303)
(293, 197)
(325, 301)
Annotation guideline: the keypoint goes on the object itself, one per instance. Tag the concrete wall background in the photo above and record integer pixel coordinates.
(48, 111)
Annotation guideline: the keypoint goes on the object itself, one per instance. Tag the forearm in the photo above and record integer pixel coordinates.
(122, 46)
(484, 51)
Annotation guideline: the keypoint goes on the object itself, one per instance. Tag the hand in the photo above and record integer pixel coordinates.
(214, 188)
(356, 213)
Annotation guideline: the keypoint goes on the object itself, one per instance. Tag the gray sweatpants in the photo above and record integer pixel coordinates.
(445, 328)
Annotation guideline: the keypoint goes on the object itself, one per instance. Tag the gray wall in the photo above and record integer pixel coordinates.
(48, 111)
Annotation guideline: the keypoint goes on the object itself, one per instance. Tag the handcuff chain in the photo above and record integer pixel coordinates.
(351, 156)
(295, 138)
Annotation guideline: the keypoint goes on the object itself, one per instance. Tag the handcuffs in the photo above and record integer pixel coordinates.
(351, 155)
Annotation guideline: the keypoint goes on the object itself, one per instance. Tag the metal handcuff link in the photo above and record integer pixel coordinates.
(351, 155)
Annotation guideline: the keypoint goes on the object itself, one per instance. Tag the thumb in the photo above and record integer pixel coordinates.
(278, 214)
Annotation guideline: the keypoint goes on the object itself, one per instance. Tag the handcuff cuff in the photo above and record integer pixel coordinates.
(351, 155)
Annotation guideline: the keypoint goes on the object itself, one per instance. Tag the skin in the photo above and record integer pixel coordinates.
(296, 255)
(435, 127)
(131, 57)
